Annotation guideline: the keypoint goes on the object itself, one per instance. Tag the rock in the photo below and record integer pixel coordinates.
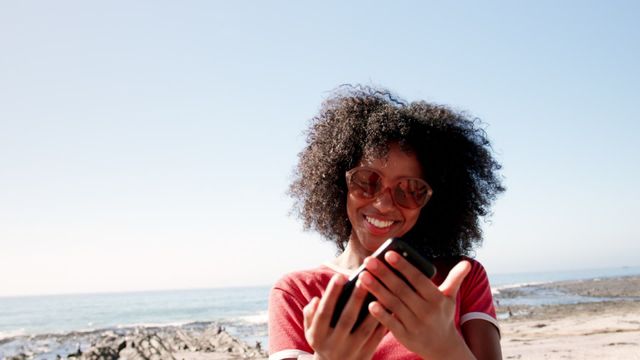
(21, 356)
(101, 353)
(158, 343)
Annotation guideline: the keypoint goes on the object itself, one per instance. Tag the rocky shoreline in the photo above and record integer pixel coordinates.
(197, 341)
(607, 326)
(591, 293)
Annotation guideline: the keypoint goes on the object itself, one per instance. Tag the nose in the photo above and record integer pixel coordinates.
(384, 201)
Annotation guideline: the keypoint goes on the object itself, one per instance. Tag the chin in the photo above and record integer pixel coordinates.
(373, 242)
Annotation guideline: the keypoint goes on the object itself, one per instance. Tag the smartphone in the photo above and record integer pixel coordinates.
(397, 245)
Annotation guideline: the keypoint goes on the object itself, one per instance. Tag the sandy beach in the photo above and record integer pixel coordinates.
(597, 330)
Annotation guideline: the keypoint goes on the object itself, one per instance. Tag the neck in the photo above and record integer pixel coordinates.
(352, 256)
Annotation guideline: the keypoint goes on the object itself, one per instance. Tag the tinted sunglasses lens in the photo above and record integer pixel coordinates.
(365, 183)
(411, 193)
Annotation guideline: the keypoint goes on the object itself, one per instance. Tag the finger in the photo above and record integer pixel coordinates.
(423, 285)
(390, 301)
(451, 284)
(397, 287)
(375, 338)
(351, 310)
(324, 312)
(309, 311)
(387, 319)
(364, 331)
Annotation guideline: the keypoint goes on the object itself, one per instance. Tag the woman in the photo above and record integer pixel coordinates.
(376, 167)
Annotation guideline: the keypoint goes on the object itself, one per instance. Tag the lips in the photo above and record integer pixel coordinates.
(377, 226)
(379, 223)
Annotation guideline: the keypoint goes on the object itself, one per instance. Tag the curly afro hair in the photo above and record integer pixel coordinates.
(454, 152)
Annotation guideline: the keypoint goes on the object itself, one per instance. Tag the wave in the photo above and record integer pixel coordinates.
(256, 319)
(155, 324)
(12, 333)
(495, 290)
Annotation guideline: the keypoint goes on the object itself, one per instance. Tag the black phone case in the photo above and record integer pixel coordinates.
(401, 248)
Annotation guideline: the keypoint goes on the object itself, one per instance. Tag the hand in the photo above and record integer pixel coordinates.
(340, 342)
(422, 320)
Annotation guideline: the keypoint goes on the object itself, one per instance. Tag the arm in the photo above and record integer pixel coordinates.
(480, 329)
(297, 331)
(410, 314)
(286, 333)
(431, 310)
(340, 342)
(483, 339)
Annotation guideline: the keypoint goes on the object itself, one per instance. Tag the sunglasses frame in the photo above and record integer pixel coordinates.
(350, 173)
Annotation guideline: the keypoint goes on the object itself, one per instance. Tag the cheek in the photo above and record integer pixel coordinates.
(352, 208)
(411, 218)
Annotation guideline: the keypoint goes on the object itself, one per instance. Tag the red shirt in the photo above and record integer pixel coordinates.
(294, 291)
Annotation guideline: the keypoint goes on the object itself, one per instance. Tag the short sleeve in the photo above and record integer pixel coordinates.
(286, 328)
(476, 298)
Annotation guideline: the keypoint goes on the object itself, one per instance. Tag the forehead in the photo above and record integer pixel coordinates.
(394, 162)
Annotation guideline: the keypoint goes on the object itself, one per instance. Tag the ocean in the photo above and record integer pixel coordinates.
(241, 310)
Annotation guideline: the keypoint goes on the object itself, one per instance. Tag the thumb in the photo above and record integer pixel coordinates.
(309, 311)
(451, 284)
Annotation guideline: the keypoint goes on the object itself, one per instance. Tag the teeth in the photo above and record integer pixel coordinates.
(379, 223)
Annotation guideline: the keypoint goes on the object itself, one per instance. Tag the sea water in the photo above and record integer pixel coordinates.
(533, 278)
(242, 310)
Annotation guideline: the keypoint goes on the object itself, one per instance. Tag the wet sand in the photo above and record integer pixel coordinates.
(606, 329)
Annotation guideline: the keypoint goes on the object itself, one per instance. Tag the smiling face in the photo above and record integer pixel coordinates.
(377, 219)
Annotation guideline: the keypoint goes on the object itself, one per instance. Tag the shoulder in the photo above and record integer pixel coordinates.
(475, 290)
(288, 297)
(304, 284)
(304, 278)
(477, 269)
(477, 277)
(445, 264)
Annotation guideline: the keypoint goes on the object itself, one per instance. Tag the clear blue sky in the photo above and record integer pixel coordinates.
(149, 144)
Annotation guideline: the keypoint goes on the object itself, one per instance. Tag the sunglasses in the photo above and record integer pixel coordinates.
(409, 193)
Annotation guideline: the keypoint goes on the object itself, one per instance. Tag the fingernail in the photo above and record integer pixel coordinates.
(374, 308)
(372, 263)
(339, 279)
(365, 278)
(392, 257)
